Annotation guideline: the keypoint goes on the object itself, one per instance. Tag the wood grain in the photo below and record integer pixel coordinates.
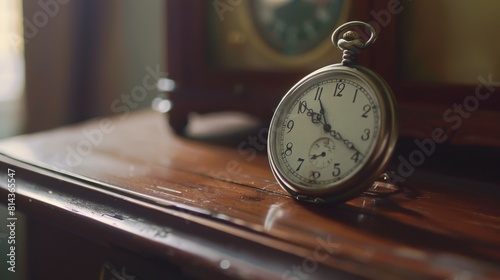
(131, 175)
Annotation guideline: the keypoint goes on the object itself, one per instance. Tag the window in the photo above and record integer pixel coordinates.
(11, 67)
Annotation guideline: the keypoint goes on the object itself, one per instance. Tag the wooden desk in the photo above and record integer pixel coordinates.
(126, 196)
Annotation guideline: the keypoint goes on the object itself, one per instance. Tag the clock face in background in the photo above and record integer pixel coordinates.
(294, 27)
(276, 35)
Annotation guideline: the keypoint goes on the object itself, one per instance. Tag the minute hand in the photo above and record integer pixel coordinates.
(348, 143)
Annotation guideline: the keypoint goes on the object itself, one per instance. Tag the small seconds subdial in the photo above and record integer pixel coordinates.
(321, 152)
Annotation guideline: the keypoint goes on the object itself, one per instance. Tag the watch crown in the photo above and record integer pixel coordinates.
(350, 41)
(350, 35)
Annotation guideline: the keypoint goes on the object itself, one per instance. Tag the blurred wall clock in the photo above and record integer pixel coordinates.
(295, 27)
(243, 55)
(276, 35)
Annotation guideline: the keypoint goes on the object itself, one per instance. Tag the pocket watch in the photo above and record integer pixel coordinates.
(333, 133)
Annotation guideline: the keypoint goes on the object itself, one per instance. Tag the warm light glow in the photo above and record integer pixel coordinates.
(11, 50)
(12, 77)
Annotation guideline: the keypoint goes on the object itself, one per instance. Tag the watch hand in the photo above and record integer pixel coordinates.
(323, 154)
(315, 117)
(348, 143)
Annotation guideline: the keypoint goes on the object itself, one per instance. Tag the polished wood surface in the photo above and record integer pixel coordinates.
(217, 212)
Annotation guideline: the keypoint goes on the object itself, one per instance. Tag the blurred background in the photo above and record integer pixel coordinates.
(65, 61)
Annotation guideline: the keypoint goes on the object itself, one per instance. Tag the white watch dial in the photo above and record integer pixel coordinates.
(326, 131)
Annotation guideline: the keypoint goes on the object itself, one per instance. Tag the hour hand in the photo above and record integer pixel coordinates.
(318, 117)
(315, 117)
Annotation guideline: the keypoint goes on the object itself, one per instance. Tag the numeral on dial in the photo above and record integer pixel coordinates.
(338, 89)
(366, 135)
(288, 151)
(355, 95)
(336, 170)
(301, 160)
(366, 109)
(302, 107)
(319, 91)
(355, 157)
(315, 175)
(290, 124)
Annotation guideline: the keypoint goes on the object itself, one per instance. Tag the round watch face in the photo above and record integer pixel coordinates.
(328, 131)
(294, 27)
